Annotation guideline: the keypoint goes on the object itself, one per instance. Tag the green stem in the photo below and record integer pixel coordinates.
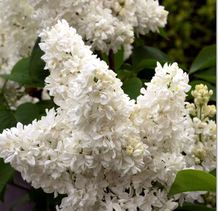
(111, 60)
(4, 100)
(4, 86)
(200, 117)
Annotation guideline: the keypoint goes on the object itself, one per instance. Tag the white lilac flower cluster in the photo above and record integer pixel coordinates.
(17, 32)
(205, 128)
(101, 149)
(203, 153)
(104, 24)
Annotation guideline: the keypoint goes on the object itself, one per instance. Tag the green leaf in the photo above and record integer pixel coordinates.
(125, 74)
(119, 59)
(163, 33)
(139, 41)
(104, 57)
(6, 174)
(7, 119)
(205, 59)
(45, 104)
(146, 52)
(192, 207)
(207, 75)
(27, 112)
(3, 102)
(193, 180)
(145, 64)
(132, 87)
(213, 172)
(36, 66)
(20, 73)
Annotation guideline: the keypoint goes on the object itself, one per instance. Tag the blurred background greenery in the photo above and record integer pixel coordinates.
(191, 26)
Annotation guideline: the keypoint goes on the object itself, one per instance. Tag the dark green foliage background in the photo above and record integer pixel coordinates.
(191, 26)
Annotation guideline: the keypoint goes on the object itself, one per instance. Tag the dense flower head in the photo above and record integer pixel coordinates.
(201, 94)
(98, 104)
(103, 24)
(204, 151)
(99, 147)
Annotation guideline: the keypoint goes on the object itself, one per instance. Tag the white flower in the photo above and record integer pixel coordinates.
(103, 24)
(153, 19)
(18, 32)
(203, 154)
(89, 134)
(101, 149)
